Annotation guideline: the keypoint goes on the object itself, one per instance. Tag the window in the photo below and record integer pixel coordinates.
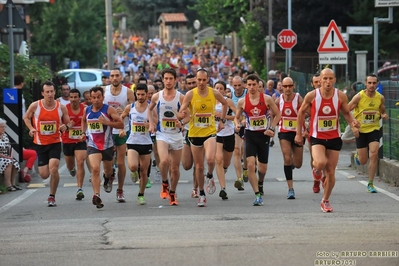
(87, 77)
(70, 76)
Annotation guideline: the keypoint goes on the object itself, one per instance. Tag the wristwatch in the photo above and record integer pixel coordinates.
(224, 120)
(272, 128)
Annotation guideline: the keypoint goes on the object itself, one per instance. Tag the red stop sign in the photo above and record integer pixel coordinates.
(286, 39)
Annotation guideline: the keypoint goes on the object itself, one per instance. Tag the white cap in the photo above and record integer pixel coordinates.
(272, 72)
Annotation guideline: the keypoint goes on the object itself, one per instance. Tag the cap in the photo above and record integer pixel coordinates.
(272, 72)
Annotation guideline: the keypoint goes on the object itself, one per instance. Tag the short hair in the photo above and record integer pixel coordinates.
(86, 92)
(47, 83)
(141, 78)
(221, 83)
(253, 77)
(203, 70)
(158, 80)
(314, 76)
(115, 68)
(372, 75)
(96, 89)
(75, 91)
(18, 80)
(142, 86)
(169, 71)
(189, 76)
(283, 75)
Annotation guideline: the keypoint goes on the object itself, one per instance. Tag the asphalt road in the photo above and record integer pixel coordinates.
(232, 232)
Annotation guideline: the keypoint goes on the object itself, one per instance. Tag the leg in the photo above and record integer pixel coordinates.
(219, 165)
(121, 154)
(7, 175)
(198, 157)
(70, 162)
(80, 156)
(175, 158)
(285, 146)
(163, 151)
(373, 163)
(95, 160)
(55, 176)
(238, 155)
(210, 152)
(144, 161)
(133, 160)
(330, 172)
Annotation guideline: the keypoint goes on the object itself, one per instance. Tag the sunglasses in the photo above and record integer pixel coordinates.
(288, 86)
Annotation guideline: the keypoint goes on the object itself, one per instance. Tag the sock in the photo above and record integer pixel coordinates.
(171, 192)
(202, 193)
(165, 182)
(225, 169)
(51, 195)
(141, 194)
(288, 172)
(370, 182)
(208, 175)
(261, 177)
(260, 184)
(257, 194)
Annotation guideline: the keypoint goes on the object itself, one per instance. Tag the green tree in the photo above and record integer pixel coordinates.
(69, 29)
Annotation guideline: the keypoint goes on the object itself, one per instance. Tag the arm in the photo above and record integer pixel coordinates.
(151, 120)
(130, 96)
(354, 102)
(28, 118)
(223, 101)
(185, 113)
(346, 112)
(65, 119)
(124, 114)
(231, 105)
(84, 126)
(273, 107)
(239, 110)
(116, 121)
(301, 116)
(384, 115)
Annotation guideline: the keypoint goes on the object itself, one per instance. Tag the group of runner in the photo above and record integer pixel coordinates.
(199, 126)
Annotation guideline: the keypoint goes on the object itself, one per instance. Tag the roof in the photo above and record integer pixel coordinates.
(173, 17)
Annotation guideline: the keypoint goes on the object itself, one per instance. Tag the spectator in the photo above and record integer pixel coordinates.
(9, 167)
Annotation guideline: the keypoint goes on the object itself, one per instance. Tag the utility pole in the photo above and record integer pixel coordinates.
(108, 18)
(269, 53)
(376, 21)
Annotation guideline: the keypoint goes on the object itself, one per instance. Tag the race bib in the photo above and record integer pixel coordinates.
(48, 127)
(168, 124)
(138, 127)
(327, 123)
(202, 120)
(95, 127)
(369, 117)
(257, 122)
(75, 132)
(289, 123)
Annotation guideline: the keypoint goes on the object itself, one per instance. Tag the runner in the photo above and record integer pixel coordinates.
(64, 99)
(202, 131)
(139, 142)
(44, 120)
(73, 148)
(187, 157)
(97, 123)
(87, 102)
(224, 139)
(168, 133)
(239, 150)
(325, 135)
(289, 104)
(256, 107)
(369, 107)
(119, 96)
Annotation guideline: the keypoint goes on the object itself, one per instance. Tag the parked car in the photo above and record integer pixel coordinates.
(83, 79)
(389, 72)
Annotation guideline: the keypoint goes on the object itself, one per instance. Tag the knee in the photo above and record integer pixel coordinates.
(134, 167)
(199, 168)
(210, 161)
(219, 160)
(186, 166)
(319, 163)
(287, 158)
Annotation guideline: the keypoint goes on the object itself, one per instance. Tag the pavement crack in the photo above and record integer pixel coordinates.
(104, 237)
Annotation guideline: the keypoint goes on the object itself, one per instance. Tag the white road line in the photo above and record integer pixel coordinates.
(380, 190)
(17, 200)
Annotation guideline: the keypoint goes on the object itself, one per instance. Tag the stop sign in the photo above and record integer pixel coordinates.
(286, 39)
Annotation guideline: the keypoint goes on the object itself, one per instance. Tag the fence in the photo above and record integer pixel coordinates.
(391, 127)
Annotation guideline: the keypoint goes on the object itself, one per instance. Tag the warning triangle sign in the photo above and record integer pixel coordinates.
(332, 41)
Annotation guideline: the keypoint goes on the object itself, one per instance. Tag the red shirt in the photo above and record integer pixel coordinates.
(72, 135)
(289, 114)
(256, 115)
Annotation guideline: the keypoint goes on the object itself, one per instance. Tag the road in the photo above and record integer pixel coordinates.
(232, 232)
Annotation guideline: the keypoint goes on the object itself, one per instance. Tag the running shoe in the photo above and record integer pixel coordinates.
(239, 184)
(356, 158)
(134, 176)
(173, 199)
(317, 174)
(158, 176)
(223, 194)
(120, 197)
(148, 185)
(164, 191)
(291, 194)
(245, 175)
(141, 200)
(72, 172)
(96, 200)
(316, 186)
(258, 201)
(194, 193)
(108, 182)
(325, 206)
(79, 194)
(260, 187)
(210, 186)
(201, 201)
(371, 188)
(51, 202)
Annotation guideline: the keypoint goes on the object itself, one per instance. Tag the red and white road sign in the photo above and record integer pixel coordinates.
(287, 39)
(332, 41)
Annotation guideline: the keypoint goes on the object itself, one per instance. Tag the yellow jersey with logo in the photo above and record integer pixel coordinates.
(202, 110)
(367, 112)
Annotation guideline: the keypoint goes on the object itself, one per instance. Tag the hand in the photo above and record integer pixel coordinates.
(305, 134)
(298, 139)
(151, 129)
(32, 132)
(82, 137)
(384, 116)
(355, 131)
(355, 123)
(102, 120)
(269, 133)
(119, 110)
(220, 126)
(63, 128)
(178, 124)
(122, 133)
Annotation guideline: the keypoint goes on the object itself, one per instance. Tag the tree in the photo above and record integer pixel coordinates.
(69, 29)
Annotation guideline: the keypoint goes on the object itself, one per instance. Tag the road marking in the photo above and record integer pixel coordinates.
(36, 185)
(380, 190)
(70, 184)
(17, 200)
